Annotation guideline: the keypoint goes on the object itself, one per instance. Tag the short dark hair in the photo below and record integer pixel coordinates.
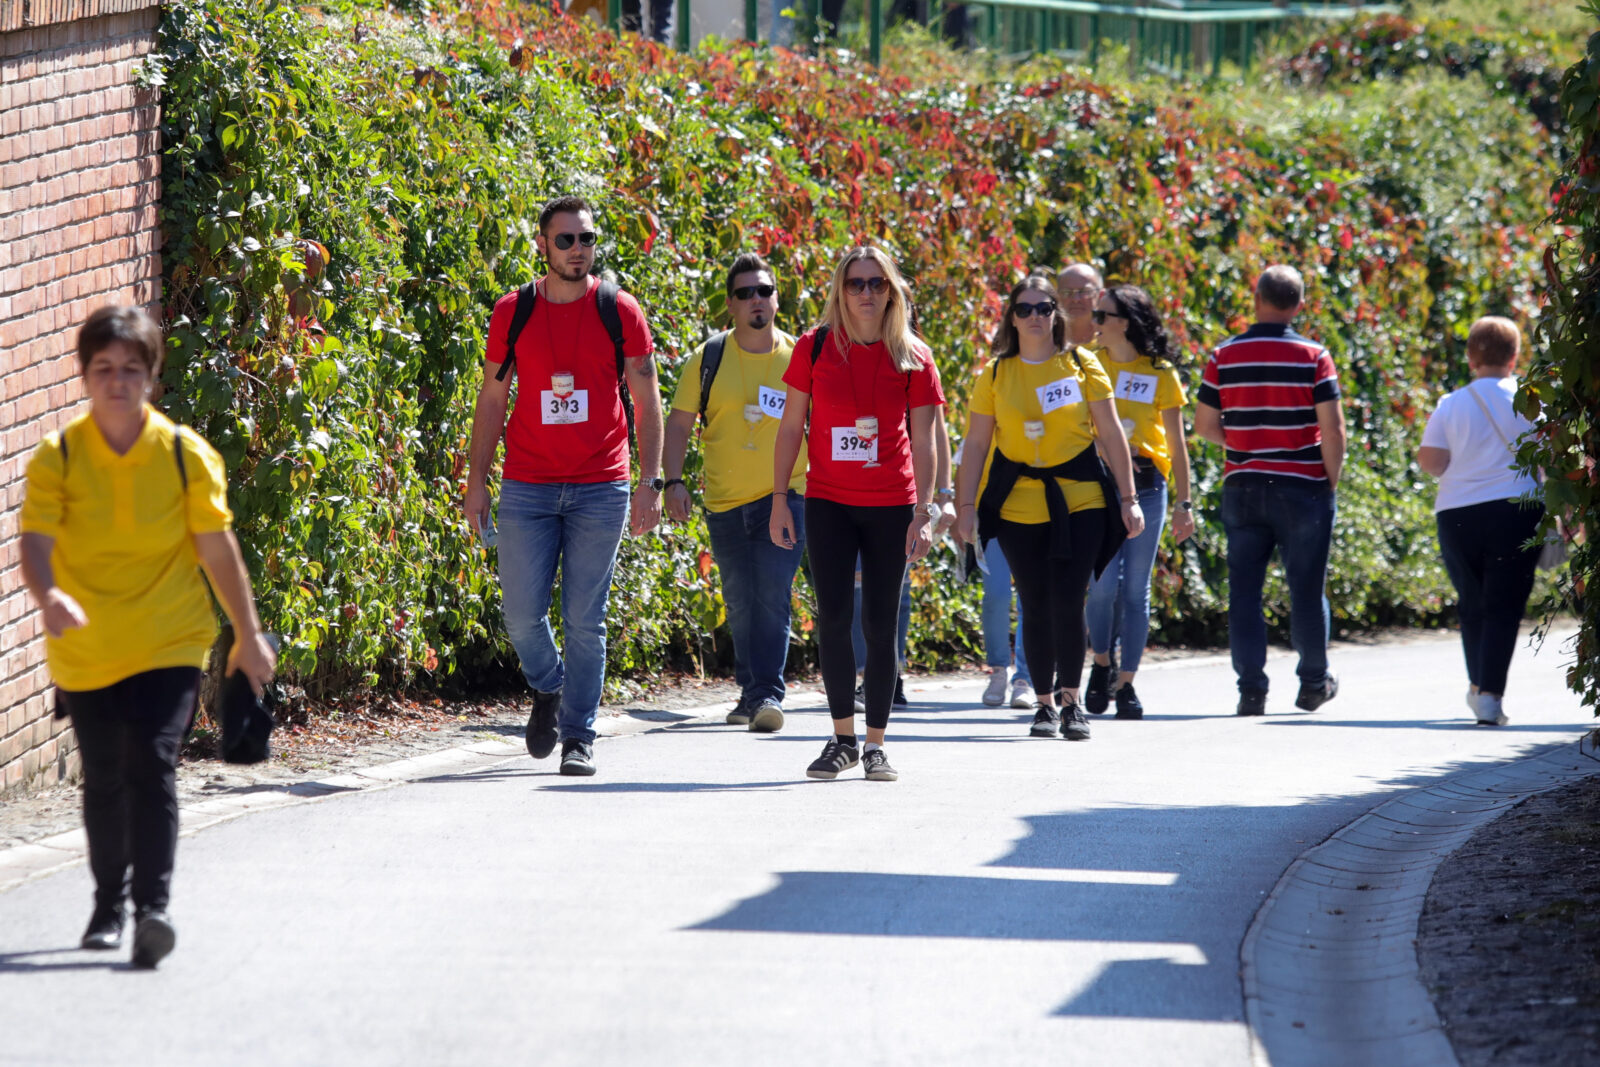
(562, 205)
(1281, 287)
(747, 262)
(129, 325)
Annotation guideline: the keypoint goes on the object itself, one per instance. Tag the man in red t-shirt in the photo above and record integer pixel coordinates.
(564, 495)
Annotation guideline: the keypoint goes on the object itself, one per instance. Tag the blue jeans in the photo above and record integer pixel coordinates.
(578, 526)
(757, 584)
(997, 599)
(1261, 513)
(858, 640)
(1127, 578)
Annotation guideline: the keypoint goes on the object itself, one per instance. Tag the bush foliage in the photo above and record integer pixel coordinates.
(348, 189)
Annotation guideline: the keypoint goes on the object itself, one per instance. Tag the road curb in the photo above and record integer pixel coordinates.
(1329, 964)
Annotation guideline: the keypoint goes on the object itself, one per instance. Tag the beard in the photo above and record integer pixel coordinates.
(569, 274)
(758, 321)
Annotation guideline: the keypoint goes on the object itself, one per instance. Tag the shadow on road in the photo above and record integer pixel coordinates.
(1462, 723)
(19, 962)
(666, 787)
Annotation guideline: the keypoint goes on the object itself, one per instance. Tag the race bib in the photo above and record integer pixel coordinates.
(1140, 388)
(772, 402)
(563, 410)
(1059, 393)
(848, 447)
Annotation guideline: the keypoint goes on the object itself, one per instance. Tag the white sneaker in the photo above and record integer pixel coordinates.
(995, 694)
(1489, 711)
(1022, 695)
(1472, 699)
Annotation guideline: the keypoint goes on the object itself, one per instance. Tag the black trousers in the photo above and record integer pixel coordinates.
(128, 736)
(1052, 592)
(835, 533)
(1493, 575)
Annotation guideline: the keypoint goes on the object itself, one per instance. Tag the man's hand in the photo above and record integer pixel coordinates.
(679, 502)
(62, 613)
(476, 506)
(1182, 526)
(254, 656)
(645, 512)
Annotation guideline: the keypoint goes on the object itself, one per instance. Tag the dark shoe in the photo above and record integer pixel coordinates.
(1074, 723)
(153, 939)
(541, 733)
(1128, 706)
(1252, 702)
(1045, 721)
(105, 929)
(900, 700)
(766, 717)
(577, 757)
(1313, 697)
(1097, 694)
(861, 700)
(740, 715)
(877, 767)
(836, 757)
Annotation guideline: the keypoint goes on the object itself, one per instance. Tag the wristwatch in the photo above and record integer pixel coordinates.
(1186, 505)
(655, 483)
(931, 510)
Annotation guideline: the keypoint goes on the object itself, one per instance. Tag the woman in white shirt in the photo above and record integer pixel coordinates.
(1488, 511)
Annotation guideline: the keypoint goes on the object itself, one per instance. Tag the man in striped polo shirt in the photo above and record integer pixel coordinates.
(1270, 398)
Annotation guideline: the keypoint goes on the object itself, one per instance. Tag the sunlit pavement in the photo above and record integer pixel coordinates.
(1009, 900)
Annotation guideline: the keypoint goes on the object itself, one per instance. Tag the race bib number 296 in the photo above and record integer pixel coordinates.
(1059, 393)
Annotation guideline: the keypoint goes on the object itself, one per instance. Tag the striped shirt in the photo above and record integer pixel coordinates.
(1267, 383)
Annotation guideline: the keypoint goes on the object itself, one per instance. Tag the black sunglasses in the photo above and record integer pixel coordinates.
(857, 286)
(745, 292)
(1044, 309)
(1100, 317)
(564, 241)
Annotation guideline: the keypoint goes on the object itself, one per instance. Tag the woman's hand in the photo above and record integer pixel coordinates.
(1182, 526)
(254, 656)
(967, 526)
(946, 520)
(781, 525)
(1132, 517)
(61, 612)
(919, 536)
(679, 502)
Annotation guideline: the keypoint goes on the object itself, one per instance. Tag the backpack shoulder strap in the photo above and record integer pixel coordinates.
(527, 297)
(710, 360)
(820, 339)
(177, 451)
(605, 302)
(61, 443)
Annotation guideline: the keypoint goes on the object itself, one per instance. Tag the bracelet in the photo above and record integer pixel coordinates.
(944, 496)
(674, 481)
(964, 507)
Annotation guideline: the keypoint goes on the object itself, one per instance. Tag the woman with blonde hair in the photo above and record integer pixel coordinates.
(870, 390)
(1044, 492)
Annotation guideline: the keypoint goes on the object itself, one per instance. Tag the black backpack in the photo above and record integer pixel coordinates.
(605, 302)
(710, 360)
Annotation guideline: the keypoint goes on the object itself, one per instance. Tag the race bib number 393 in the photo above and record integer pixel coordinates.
(1140, 388)
(1059, 393)
(563, 410)
(771, 402)
(848, 447)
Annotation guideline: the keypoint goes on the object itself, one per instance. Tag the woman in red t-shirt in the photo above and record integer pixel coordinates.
(870, 390)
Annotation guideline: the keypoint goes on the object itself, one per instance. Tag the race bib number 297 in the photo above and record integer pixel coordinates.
(1140, 388)
(563, 410)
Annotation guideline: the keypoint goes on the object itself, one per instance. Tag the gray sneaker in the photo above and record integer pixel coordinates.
(577, 757)
(834, 759)
(1074, 723)
(740, 715)
(766, 717)
(1045, 721)
(877, 767)
(153, 939)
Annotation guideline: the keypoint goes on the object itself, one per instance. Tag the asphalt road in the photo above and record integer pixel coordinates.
(1008, 901)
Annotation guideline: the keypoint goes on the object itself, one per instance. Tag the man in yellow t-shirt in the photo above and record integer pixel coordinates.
(734, 385)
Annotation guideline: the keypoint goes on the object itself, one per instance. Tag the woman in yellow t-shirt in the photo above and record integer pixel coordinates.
(121, 510)
(1044, 492)
(1150, 400)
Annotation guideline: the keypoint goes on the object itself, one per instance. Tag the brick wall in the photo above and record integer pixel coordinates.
(80, 181)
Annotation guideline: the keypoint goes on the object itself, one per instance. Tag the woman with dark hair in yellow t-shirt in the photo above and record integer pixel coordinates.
(1045, 493)
(122, 509)
(1149, 398)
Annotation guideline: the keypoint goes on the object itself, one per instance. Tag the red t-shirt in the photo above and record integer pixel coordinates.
(582, 437)
(840, 393)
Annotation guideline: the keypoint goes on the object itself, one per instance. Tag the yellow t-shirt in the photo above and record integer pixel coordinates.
(1143, 392)
(735, 473)
(124, 549)
(1016, 393)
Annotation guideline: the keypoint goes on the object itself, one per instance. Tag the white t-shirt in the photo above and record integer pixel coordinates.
(1481, 466)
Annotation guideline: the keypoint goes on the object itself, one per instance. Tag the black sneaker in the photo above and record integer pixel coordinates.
(900, 700)
(105, 929)
(1128, 706)
(1252, 702)
(1097, 694)
(577, 757)
(1045, 721)
(861, 699)
(1074, 723)
(740, 715)
(877, 767)
(541, 733)
(836, 757)
(1312, 697)
(766, 717)
(153, 939)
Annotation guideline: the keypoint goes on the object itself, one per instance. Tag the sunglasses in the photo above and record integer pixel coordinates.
(1078, 292)
(857, 286)
(564, 241)
(1044, 309)
(1100, 317)
(745, 292)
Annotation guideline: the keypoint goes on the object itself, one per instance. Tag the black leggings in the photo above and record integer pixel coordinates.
(128, 737)
(1493, 575)
(1052, 593)
(835, 533)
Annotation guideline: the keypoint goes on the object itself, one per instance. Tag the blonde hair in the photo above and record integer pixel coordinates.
(1493, 341)
(898, 337)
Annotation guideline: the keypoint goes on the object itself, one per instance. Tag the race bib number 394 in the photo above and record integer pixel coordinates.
(848, 447)
(771, 402)
(1140, 388)
(563, 410)
(1059, 393)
